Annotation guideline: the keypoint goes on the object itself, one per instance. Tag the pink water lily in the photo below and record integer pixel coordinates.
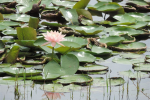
(53, 38)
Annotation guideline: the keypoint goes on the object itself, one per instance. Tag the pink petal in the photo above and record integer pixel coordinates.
(45, 43)
(53, 44)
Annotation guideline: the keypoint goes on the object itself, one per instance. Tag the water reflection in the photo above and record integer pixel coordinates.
(53, 95)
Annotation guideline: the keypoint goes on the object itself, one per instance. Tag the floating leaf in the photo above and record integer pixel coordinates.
(88, 30)
(9, 23)
(111, 40)
(10, 32)
(130, 55)
(83, 56)
(69, 64)
(142, 67)
(11, 82)
(127, 61)
(134, 75)
(67, 4)
(42, 78)
(138, 2)
(135, 46)
(113, 81)
(70, 15)
(19, 17)
(21, 72)
(1, 17)
(78, 79)
(90, 68)
(51, 24)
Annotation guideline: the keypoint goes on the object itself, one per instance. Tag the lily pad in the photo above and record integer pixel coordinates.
(69, 64)
(81, 4)
(96, 50)
(60, 87)
(42, 78)
(70, 15)
(51, 24)
(11, 82)
(142, 67)
(130, 55)
(135, 46)
(113, 81)
(119, 30)
(9, 23)
(127, 61)
(128, 38)
(1, 71)
(21, 72)
(76, 79)
(88, 30)
(10, 32)
(97, 73)
(26, 43)
(3, 27)
(19, 17)
(14, 65)
(111, 40)
(67, 4)
(83, 56)
(138, 2)
(79, 40)
(90, 68)
(134, 75)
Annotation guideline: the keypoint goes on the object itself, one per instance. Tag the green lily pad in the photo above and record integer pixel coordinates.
(97, 73)
(12, 55)
(6, 1)
(119, 30)
(1, 71)
(21, 72)
(134, 75)
(128, 38)
(138, 25)
(79, 40)
(14, 65)
(69, 64)
(26, 33)
(127, 61)
(130, 55)
(10, 32)
(134, 46)
(70, 15)
(139, 16)
(9, 23)
(51, 24)
(13, 78)
(42, 78)
(142, 67)
(88, 30)
(26, 43)
(19, 17)
(67, 4)
(83, 56)
(76, 79)
(81, 4)
(147, 56)
(33, 22)
(138, 2)
(11, 82)
(111, 40)
(123, 19)
(90, 68)
(96, 50)
(113, 81)
(3, 27)
(60, 87)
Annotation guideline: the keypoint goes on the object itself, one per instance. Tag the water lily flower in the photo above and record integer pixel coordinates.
(53, 38)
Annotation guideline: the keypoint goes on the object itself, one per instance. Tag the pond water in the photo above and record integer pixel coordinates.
(127, 91)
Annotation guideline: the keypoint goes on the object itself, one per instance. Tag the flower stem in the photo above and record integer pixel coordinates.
(52, 53)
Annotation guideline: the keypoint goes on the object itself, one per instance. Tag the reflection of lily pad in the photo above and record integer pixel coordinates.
(60, 87)
(130, 55)
(136, 75)
(142, 67)
(11, 82)
(98, 73)
(79, 79)
(135, 46)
